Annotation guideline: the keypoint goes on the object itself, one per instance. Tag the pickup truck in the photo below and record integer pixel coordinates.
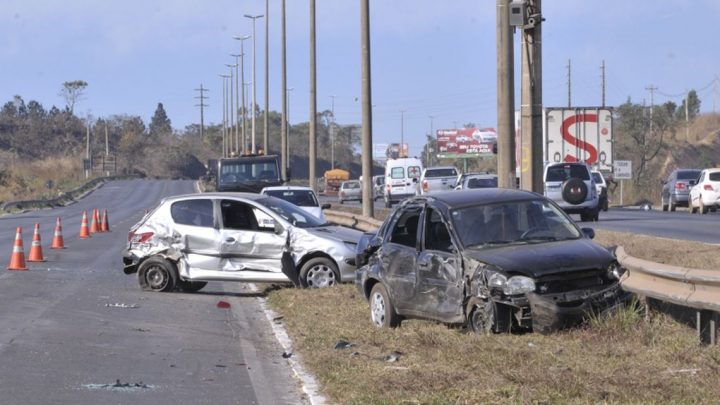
(437, 179)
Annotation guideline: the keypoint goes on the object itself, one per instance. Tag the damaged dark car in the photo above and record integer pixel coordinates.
(495, 260)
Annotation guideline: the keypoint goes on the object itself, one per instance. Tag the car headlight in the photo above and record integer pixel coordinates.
(519, 285)
(615, 271)
(497, 280)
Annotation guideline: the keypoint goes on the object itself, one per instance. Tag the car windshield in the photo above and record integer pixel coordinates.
(516, 222)
(688, 174)
(301, 198)
(564, 172)
(249, 170)
(351, 185)
(440, 173)
(291, 213)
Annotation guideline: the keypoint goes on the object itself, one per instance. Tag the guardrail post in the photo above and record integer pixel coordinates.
(707, 327)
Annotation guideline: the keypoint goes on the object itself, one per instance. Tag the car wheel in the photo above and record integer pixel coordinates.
(691, 208)
(190, 286)
(664, 206)
(382, 312)
(605, 205)
(595, 215)
(703, 207)
(157, 274)
(482, 318)
(672, 204)
(318, 273)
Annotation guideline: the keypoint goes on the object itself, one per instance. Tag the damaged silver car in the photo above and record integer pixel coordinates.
(189, 240)
(491, 259)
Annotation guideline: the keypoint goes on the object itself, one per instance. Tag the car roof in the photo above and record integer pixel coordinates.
(440, 167)
(478, 196)
(247, 196)
(294, 188)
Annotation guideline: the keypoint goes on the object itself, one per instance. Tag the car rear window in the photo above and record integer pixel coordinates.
(688, 174)
(564, 172)
(193, 212)
(440, 173)
(482, 183)
(597, 177)
(714, 176)
(397, 173)
(301, 198)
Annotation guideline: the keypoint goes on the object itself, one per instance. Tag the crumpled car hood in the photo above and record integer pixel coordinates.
(536, 260)
(337, 232)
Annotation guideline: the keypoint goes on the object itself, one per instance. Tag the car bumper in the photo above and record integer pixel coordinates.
(710, 199)
(131, 262)
(576, 209)
(680, 198)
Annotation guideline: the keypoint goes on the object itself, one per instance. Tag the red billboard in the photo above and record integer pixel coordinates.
(465, 142)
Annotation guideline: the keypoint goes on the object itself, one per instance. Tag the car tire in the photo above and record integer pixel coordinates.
(664, 206)
(382, 312)
(703, 208)
(190, 286)
(691, 208)
(319, 272)
(574, 191)
(605, 205)
(157, 274)
(673, 205)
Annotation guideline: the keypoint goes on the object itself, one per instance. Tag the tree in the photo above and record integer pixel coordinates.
(693, 104)
(72, 92)
(160, 123)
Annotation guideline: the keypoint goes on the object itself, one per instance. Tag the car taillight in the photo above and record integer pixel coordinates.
(679, 186)
(708, 187)
(425, 186)
(139, 237)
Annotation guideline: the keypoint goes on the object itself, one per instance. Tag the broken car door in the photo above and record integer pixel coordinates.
(194, 224)
(399, 254)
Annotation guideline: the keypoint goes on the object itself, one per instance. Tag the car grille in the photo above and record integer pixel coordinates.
(591, 279)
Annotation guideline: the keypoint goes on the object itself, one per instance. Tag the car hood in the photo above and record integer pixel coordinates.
(335, 232)
(536, 260)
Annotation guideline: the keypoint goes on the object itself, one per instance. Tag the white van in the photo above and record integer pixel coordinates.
(401, 179)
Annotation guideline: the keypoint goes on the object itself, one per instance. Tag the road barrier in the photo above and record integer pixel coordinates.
(352, 220)
(692, 288)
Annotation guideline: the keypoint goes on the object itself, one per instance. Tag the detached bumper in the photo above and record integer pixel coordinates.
(553, 312)
(131, 263)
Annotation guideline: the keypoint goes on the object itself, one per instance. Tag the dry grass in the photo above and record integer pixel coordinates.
(27, 180)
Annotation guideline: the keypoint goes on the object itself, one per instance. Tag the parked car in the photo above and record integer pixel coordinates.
(601, 187)
(378, 187)
(189, 240)
(401, 179)
(492, 259)
(476, 180)
(303, 197)
(437, 179)
(676, 188)
(705, 194)
(572, 187)
(350, 190)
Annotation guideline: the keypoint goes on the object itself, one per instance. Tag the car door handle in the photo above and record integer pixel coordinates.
(230, 240)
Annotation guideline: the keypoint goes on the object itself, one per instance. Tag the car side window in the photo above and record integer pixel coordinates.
(238, 215)
(437, 235)
(404, 231)
(193, 212)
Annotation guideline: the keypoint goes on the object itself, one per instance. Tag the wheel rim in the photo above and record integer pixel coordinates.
(320, 275)
(156, 278)
(377, 309)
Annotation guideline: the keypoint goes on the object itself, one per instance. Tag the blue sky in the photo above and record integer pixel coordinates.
(429, 57)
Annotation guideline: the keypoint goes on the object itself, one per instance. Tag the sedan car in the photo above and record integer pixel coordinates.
(476, 180)
(491, 259)
(705, 194)
(189, 240)
(350, 190)
(303, 197)
(676, 188)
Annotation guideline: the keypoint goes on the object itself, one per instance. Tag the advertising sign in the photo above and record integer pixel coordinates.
(465, 142)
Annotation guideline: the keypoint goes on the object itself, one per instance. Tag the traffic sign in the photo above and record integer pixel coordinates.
(622, 170)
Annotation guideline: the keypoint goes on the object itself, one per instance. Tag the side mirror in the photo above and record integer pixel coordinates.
(589, 232)
(325, 206)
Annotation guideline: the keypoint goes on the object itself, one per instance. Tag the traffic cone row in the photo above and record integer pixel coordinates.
(17, 258)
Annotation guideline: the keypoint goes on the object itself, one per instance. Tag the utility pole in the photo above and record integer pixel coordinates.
(602, 85)
(242, 84)
(107, 149)
(284, 156)
(687, 117)
(531, 102)
(287, 135)
(87, 162)
(402, 133)
(332, 133)
(254, 90)
(231, 115)
(429, 147)
(202, 106)
(313, 103)
(267, 81)
(505, 96)
(224, 118)
(236, 111)
(569, 82)
(366, 95)
(652, 89)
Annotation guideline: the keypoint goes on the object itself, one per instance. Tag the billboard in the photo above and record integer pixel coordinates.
(465, 142)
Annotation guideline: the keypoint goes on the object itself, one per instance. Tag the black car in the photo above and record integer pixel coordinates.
(492, 259)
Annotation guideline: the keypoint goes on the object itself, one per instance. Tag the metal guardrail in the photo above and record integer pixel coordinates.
(352, 220)
(63, 199)
(693, 288)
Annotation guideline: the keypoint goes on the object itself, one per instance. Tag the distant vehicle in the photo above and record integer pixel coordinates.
(485, 135)
(676, 188)
(705, 194)
(601, 187)
(303, 197)
(477, 180)
(189, 240)
(571, 186)
(350, 190)
(333, 179)
(378, 186)
(401, 179)
(494, 260)
(249, 173)
(437, 179)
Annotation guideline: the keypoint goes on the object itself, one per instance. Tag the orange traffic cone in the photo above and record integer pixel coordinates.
(36, 248)
(84, 231)
(58, 241)
(94, 223)
(17, 259)
(104, 226)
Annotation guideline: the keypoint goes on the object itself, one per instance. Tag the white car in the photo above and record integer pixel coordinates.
(303, 197)
(705, 195)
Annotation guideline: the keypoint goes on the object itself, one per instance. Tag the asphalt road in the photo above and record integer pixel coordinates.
(77, 330)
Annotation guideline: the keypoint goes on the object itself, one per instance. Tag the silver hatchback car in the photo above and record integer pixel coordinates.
(189, 240)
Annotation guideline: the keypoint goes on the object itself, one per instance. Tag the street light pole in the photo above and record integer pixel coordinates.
(332, 134)
(242, 84)
(267, 80)
(312, 152)
(232, 109)
(224, 117)
(366, 96)
(254, 92)
(236, 111)
(284, 156)
(287, 135)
